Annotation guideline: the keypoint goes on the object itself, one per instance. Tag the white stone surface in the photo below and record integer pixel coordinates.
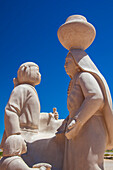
(76, 33)
(108, 164)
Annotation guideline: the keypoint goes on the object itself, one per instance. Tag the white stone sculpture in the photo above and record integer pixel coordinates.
(23, 121)
(89, 127)
(83, 136)
(23, 108)
(13, 148)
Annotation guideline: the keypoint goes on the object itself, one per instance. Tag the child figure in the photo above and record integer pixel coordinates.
(13, 148)
(23, 108)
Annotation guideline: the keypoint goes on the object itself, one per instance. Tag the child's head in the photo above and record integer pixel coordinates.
(14, 146)
(28, 73)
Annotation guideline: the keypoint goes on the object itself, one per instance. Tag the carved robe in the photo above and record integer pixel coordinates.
(85, 100)
(89, 98)
(22, 111)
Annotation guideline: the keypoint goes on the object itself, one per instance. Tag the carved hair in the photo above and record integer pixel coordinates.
(25, 75)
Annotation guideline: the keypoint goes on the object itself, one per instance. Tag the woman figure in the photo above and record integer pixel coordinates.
(89, 129)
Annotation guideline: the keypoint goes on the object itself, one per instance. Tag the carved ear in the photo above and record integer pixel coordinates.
(15, 81)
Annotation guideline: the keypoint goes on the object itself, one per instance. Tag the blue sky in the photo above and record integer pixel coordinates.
(28, 32)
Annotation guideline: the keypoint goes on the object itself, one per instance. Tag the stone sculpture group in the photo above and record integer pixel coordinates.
(42, 141)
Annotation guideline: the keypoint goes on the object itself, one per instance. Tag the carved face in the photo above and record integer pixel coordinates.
(70, 66)
(29, 74)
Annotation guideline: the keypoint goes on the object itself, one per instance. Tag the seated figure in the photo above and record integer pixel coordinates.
(23, 120)
(23, 108)
(13, 148)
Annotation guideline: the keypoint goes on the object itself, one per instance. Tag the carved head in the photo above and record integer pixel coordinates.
(29, 73)
(14, 146)
(71, 67)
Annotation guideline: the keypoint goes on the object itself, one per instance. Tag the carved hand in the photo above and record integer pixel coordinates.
(62, 128)
(73, 129)
(72, 124)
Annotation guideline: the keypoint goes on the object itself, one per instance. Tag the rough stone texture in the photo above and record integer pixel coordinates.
(108, 164)
(76, 32)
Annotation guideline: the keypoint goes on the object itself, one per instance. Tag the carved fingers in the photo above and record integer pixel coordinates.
(72, 124)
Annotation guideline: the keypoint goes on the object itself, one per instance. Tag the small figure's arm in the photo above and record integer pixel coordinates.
(12, 111)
